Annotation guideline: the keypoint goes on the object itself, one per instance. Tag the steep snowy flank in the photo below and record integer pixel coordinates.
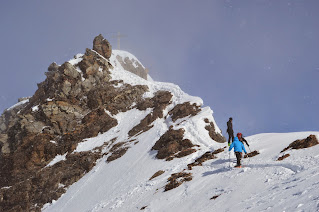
(263, 184)
(94, 110)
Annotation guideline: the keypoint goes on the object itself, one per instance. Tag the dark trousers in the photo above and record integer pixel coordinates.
(231, 137)
(238, 156)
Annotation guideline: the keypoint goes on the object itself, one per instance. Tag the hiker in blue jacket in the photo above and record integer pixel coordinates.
(238, 149)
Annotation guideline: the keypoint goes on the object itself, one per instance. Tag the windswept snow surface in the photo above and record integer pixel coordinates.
(264, 184)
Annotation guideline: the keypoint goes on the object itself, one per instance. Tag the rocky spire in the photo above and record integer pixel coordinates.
(102, 46)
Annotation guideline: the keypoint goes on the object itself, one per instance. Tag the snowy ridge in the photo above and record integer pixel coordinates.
(131, 118)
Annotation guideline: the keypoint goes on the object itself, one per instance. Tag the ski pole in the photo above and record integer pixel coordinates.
(229, 159)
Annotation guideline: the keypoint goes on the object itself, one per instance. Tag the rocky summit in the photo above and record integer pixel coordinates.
(41, 137)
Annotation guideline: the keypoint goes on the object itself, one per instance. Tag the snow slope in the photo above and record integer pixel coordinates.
(264, 184)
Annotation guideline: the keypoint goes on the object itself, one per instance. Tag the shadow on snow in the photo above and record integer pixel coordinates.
(227, 168)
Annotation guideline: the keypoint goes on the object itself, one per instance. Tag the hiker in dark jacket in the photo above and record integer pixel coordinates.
(241, 138)
(230, 130)
(238, 149)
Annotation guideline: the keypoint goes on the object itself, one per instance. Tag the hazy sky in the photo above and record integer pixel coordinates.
(257, 61)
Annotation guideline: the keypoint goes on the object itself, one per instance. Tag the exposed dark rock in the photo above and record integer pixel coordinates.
(310, 141)
(159, 102)
(69, 71)
(207, 156)
(185, 152)
(95, 122)
(94, 68)
(115, 99)
(184, 110)
(102, 46)
(177, 179)
(54, 120)
(251, 154)
(46, 184)
(170, 143)
(117, 151)
(215, 197)
(158, 173)
(61, 116)
(142, 208)
(283, 157)
(53, 67)
(212, 133)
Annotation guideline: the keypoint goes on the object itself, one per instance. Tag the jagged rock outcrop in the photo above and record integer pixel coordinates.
(115, 99)
(207, 156)
(102, 46)
(251, 154)
(310, 141)
(177, 179)
(172, 144)
(158, 103)
(80, 100)
(67, 107)
(210, 127)
(184, 110)
(53, 67)
(283, 157)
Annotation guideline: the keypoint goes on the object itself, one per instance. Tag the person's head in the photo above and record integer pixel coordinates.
(239, 135)
(230, 119)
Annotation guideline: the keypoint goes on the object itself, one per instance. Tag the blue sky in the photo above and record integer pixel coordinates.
(256, 61)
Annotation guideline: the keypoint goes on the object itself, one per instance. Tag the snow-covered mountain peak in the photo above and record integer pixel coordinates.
(97, 136)
(97, 108)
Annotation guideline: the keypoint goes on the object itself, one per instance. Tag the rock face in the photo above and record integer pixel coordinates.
(69, 106)
(210, 127)
(102, 46)
(78, 100)
(172, 144)
(158, 103)
(310, 141)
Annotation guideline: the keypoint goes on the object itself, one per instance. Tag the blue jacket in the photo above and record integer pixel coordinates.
(238, 146)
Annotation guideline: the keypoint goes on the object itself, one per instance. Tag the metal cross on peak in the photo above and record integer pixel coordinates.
(118, 36)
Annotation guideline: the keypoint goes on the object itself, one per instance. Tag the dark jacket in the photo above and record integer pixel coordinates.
(230, 127)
